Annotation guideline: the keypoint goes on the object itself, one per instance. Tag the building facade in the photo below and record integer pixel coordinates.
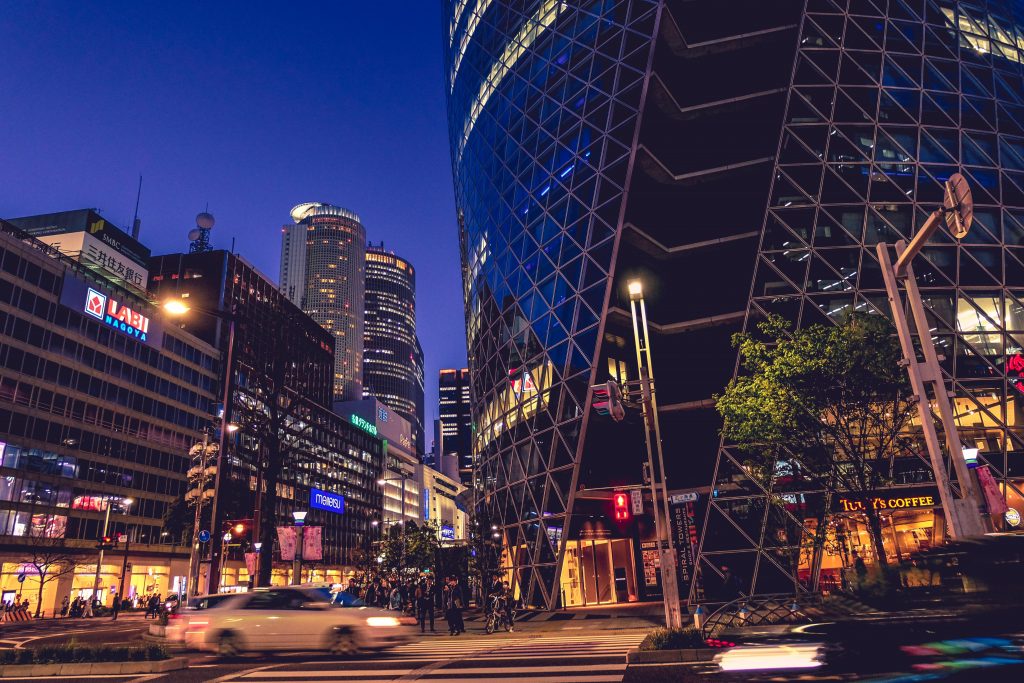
(455, 427)
(883, 104)
(323, 266)
(392, 355)
(592, 144)
(100, 399)
(280, 388)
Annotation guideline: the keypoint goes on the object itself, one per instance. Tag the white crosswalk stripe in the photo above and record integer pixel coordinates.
(600, 658)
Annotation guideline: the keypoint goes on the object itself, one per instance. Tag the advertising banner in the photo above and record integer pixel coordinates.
(684, 538)
(312, 546)
(250, 563)
(286, 541)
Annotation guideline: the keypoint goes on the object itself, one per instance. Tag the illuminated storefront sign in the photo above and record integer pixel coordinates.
(447, 533)
(889, 503)
(1012, 517)
(325, 500)
(116, 315)
(1015, 371)
(364, 424)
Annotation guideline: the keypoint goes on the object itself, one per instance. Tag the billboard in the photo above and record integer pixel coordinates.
(91, 251)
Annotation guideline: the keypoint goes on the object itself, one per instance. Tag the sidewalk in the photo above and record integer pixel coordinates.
(604, 617)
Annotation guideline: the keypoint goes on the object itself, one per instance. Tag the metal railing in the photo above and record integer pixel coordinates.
(757, 610)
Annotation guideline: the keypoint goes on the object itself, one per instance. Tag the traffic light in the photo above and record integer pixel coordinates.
(621, 501)
(105, 543)
(608, 400)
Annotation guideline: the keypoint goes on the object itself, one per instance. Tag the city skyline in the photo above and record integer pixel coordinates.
(217, 125)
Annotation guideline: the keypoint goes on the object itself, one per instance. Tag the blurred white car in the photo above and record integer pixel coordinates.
(177, 621)
(295, 618)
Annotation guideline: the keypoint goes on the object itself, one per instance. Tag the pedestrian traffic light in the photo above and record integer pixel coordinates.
(608, 400)
(105, 543)
(621, 501)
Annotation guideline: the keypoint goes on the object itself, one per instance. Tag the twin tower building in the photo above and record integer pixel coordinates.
(363, 295)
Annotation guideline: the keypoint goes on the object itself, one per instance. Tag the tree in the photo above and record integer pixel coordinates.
(51, 559)
(827, 404)
(409, 546)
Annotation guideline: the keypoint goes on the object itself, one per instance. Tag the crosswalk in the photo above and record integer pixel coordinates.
(597, 658)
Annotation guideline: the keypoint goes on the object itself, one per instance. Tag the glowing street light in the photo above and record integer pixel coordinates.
(176, 307)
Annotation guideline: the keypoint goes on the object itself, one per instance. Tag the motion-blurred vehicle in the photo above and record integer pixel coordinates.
(295, 619)
(177, 620)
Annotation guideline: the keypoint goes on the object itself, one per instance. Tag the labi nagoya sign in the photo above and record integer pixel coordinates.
(111, 310)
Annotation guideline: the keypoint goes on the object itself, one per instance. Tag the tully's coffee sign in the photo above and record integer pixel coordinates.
(887, 502)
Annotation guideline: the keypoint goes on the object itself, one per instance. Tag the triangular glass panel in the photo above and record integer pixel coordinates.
(829, 233)
(794, 152)
(932, 152)
(894, 77)
(808, 74)
(862, 70)
(899, 106)
(939, 110)
(786, 193)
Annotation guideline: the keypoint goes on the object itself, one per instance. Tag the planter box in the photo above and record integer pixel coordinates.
(704, 654)
(92, 668)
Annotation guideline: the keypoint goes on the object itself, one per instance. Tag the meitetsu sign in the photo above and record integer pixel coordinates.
(325, 500)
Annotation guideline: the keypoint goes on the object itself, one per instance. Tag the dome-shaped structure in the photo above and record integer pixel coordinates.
(205, 220)
(302, 211)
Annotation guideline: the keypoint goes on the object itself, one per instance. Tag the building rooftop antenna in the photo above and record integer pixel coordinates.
(199, 236)
(136, 223)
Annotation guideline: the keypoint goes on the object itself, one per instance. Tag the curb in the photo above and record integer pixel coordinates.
(92, 668)
(704, 654)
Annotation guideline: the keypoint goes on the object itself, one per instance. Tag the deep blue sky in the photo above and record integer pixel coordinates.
(252, 107)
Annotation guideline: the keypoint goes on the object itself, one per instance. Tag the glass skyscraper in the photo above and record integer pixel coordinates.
(886, 100)
(699, 146)
(323, 272)
(392, 355)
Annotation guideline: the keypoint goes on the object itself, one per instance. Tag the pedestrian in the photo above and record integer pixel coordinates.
(859, 568)
(396, 598)
(425, 604)
(455, 602)
(87, 613)
(730, 585)
(116, 607)
(65, 605)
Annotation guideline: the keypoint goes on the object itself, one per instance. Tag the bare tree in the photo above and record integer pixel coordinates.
(51, 559)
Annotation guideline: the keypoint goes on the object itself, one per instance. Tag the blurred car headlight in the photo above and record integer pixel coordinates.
(769, 657)
(382, 621)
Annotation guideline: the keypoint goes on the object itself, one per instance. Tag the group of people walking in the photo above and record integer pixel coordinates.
(423, 597)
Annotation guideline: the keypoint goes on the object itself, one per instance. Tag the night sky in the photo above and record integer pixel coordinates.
(251, 107)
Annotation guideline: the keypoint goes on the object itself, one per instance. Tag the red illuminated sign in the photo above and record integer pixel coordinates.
(621, 501)
(1015, 371)
(117, 315)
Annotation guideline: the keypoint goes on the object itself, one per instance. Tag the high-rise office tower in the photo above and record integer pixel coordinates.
(688, 145)
(323, 256)
(456, 422)
(392, 356)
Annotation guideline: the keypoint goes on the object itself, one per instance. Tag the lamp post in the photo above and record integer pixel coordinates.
(300, 519)
(652, 436)
(963, 515)
(256, 578)
(178, 308)
(203, 457)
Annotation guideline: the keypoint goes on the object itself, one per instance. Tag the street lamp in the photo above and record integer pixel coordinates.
(652, 436)
(257, 546)
(300, 519)
(963, 515)
(176, 308)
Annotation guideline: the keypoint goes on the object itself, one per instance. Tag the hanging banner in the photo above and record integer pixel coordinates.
(286, 541)
(250, 563)
(993, 498)
(684, 535)
(312, 547)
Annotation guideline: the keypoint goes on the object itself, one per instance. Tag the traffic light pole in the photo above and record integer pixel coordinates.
(99, 561)
(659, 492)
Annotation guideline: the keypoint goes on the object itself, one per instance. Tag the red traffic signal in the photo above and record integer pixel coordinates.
(621, 501)
(105, 543)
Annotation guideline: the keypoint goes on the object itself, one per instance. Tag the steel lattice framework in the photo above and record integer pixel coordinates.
(887, 100)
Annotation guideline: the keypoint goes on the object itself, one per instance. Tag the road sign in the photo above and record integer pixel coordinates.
(678, 498)
(636, 496)
(21, 578)
(204, 536)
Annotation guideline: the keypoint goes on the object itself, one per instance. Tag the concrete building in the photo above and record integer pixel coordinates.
(456, 421)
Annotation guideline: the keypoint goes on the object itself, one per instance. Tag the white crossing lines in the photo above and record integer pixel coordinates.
(501, 658)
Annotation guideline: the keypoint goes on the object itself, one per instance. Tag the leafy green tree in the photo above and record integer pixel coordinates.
(410, 546)
(829, 405)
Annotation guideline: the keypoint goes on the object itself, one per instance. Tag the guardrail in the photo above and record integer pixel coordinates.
(755, 610)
